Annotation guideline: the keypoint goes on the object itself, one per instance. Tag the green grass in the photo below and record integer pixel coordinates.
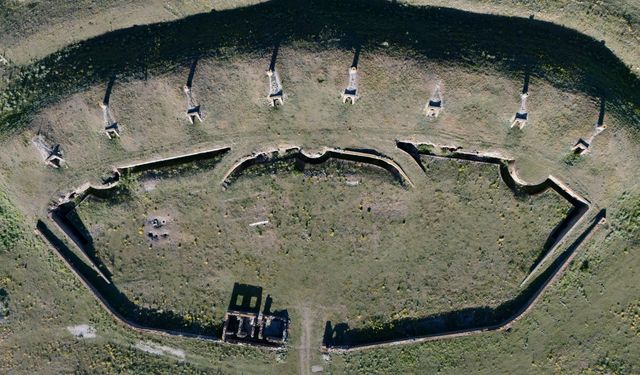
(615, 21)
(10, 229)
(628, 218)
(586, 323)
(32, 30)
(323, 230)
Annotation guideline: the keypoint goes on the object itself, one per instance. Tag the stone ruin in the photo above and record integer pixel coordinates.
(111, 127)
(520, 119)
(581, 147)
(254, 328)
(154, 228)
(244, 323)
(350, 94)
(275, 96)
(193, 109)
(52, 155)
(434, 106)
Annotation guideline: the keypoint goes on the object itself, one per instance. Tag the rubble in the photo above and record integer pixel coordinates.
(244, 323)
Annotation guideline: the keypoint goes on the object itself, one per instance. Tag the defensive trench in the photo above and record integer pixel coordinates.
(60, 230)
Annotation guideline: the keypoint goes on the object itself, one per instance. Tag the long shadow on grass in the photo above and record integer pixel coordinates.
(66, 216)
(192, 71)
(246, 298)
(563, 56)
(107, 93)
(120, 305)
(455, 322)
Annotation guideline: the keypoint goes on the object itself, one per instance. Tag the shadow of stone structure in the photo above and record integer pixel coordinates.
(600, 123)
(435, 104)
(67, 218)
(193, 108)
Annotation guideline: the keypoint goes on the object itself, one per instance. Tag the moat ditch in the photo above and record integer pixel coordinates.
(98, 277)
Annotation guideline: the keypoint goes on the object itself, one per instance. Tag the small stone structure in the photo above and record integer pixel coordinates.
(252, 328)
(52, 155)
(111, 127)
(350, 94)
(193, 109)
(581, 147)
(435, 105)
(276, 96)
(156, 229)
(521, 117)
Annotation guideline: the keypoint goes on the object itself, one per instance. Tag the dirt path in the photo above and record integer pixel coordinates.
(304, 351)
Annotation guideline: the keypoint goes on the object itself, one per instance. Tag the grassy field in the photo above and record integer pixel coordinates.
(32, 29)
(150, 113)
(323, 231)
(318, 264)
(617, 22)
